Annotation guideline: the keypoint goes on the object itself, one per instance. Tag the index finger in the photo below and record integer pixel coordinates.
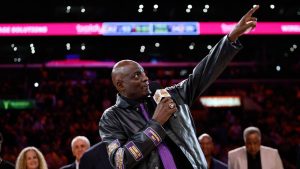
(251, 11)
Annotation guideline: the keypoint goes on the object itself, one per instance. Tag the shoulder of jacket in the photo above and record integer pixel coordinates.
(219, 162)
(109, 113)
(237, 150)
(110, 110)
(68, 166)
(265, 148)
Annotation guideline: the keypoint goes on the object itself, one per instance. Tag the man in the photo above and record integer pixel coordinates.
(95, 158)
(4, 164)
(253, 155)
(298, 158)
(207, 146)
(78, 145)
(139, 134)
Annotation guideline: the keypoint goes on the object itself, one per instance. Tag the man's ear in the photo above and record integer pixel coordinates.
(119, 85)
(73, 152)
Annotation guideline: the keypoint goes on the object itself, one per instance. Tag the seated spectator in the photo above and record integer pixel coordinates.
(298, 157)
(3, 163)
(78, 145)
(253, 155)
(207, 146)
(31, 158)
(96, 157)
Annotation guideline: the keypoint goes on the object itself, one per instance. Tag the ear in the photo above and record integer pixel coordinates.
(73, 152)
(120, 86)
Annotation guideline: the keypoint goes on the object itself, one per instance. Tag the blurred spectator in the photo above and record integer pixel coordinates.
(298, 157)
(3, 163)
(253, 155)
(79, 145)
(31, 158)
(207, 146)
(46, 126)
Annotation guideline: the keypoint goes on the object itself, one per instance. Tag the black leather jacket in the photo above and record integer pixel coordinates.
(126, 132)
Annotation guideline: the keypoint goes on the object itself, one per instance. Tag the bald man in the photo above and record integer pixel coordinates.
(142, 135)
(207, 146)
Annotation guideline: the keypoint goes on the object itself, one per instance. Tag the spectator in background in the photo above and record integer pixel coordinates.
(298, 157)
(4, 164)
(253, 155)
(95, 158)
(31, 158)
(78, 145)
(207, 146)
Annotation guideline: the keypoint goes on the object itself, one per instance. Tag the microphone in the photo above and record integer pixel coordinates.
(158, 93)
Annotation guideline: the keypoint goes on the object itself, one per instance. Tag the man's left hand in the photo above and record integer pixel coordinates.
(246, 24)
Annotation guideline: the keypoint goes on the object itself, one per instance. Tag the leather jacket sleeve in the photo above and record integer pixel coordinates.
(126, 152)
(208, 69)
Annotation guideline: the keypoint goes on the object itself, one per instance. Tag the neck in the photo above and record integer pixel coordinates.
(208, 160)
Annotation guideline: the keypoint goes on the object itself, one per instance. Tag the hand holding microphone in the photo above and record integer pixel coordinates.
(165, 106)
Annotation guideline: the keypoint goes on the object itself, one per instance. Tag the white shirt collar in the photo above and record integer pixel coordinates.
(77, 164)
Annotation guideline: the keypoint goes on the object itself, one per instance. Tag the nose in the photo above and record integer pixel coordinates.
(144, 77)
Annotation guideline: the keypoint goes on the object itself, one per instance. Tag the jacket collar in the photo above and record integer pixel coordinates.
(124, 102)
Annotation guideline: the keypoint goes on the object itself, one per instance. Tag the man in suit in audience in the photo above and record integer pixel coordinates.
(253, 155)
(4, 164)
(96, 157)
(298, 157)
(207, 146)
(79, 145)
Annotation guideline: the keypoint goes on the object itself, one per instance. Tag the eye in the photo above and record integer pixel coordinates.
(137, 75)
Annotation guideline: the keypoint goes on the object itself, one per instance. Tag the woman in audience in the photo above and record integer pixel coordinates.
(31, 158)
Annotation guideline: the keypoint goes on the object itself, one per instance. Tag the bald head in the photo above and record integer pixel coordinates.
(206, 144)
(204, 136)
(120, 70)
(130, 79)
